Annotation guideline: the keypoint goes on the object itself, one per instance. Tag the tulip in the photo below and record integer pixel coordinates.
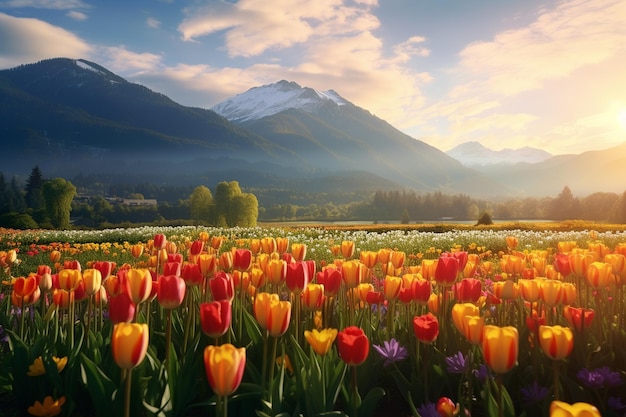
(139, 284)
(242, 259)
(172, 268)
(196, 247)
(257, 277)
(617, 262)
(268, 245)
(397, 259)
(391, 287)
(460, 310)
(550, 292)
(598, 274)
(473, 327)
(222, 286)
(529, 288)
(298, 251)
(320, 341)
(121, 308)
(159, 241)
(347, 249)
(215, 317)
(224, 366)
(352, 273)
(422, 289)
(447, 269)
(368, 258)
(216, 242)
(276, 271)
(330, 278)
(129, 344)
(25, 291)
(55, 256)
(297, 277)
(272, 314)
(557, 342)
(578, 318)
(105, 267)
(313, 296)
(580, 261)
(569, 293)
(426, 327)
(371, 297)
(49, 408)
(562, 264)
(353, 345)
(506, 290)
(512, 264)
(282, 243)
(428, 268)
(171, 291)
(192, 274)
(136, 250)
(226, 261)
(500, 346)
(69, 279)
(511, 242)
(207, 263)
(468, 290)
(446, 407)
(580, 409)
(93, 280)
(61, 299)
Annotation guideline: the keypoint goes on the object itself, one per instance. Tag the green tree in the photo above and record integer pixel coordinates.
(233, 207)
(201, 204)
(404, 217)
(246, 208)
(34, 185)
(58, 195)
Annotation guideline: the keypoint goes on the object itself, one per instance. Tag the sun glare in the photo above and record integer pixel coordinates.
(621, 118)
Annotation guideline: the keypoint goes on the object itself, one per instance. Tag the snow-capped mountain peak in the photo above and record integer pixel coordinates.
(270, 99)
(475, 154)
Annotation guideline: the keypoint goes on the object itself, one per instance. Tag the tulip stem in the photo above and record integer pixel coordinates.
(499, 385)
(168, 336)
(271, 364)
(128, 392)
(557, 391)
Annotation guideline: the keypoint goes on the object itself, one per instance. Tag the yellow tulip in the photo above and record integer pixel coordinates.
(224, 366)
(500, 347)
(563, 409)
(557, 342)
(129, 344)
(321, 341)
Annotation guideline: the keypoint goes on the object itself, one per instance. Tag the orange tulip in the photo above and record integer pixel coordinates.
(383, 255)
(500, 347)
(529, 289)
(282, 243)
(428, 268)
(268, 245)
(313, 297)
(368, 258)
(391, 287)
(460, 310)
(568, 293)
(138, 284)
(276, 271)
(353, 272)
(347, 248)
(69, 279)
(506, 290)
(129, 344)
(617, 262)
(55, 256)
(557, 342)
(512, 264)
(208, 264)
(226, 261)
(397, 259)
(93, 280)
(473, 327)
(579, 262)
(550, 291)
(224, 366)
(272, 314)
(298, 251)
(562, 409)
(25, 291)
(598, 274)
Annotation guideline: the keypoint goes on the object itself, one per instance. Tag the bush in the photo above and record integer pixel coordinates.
(485, 219)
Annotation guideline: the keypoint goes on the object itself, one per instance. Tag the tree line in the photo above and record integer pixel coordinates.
(58, 203)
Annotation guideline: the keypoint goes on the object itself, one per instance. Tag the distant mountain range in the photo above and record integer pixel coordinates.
(74, 117)
(473, 154)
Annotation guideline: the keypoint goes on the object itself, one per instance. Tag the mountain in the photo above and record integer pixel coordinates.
(474, 154)
(71, 116)
(333, 132)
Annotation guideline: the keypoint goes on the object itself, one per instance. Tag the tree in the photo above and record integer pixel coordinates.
(233, 207)
(485, 219)
(34, 185)
(404, 217)
(201, 204)
(246, 208)
(58, 195)
(564, 206)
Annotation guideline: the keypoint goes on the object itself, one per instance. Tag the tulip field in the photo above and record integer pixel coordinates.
(200, 321)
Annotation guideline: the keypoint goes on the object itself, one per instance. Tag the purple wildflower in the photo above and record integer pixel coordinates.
(427, 410)
(533, 393)
(600, 378)
(615, 404)
(482, 373)
(456, 364)
(4, 337)
(391, 351)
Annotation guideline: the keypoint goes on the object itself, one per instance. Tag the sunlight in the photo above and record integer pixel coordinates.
(621, 118)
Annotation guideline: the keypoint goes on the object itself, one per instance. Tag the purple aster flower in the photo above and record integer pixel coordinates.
(482, 373)
(391, 351)
(600, 378)
(615, 404)
(427, 410)
(533, 393)
(457, 364)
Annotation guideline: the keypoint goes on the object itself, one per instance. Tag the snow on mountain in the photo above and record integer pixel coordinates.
(475, 154)
(270, 99)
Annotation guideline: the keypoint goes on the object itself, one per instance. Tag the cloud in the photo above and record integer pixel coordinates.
(153, 23)
(120, 59)
(44, 4)
(24, 40)
(73, 14)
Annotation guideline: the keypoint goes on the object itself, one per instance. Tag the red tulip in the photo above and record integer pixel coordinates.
(196, 247)
(171, 291)
(172, 268)
(577, 317)
(297, 277)
(215, 317)
(242, 259)
(222, 286)
(159, 241)
(331, 279)
(421, 291)
(426, 327)
(105, 267)
(121, 308)
(192, 274)
(353, 345)
(468, 290)
(447, 269)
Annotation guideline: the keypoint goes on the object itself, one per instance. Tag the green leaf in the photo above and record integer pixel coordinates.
(99, 386)
(368, 406)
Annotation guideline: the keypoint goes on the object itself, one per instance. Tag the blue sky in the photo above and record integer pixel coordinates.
(506, 73)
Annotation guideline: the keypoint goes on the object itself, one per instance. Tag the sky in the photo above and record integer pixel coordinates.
(505, 73)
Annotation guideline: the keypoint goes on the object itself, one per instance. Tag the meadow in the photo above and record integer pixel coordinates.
(423, 320)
